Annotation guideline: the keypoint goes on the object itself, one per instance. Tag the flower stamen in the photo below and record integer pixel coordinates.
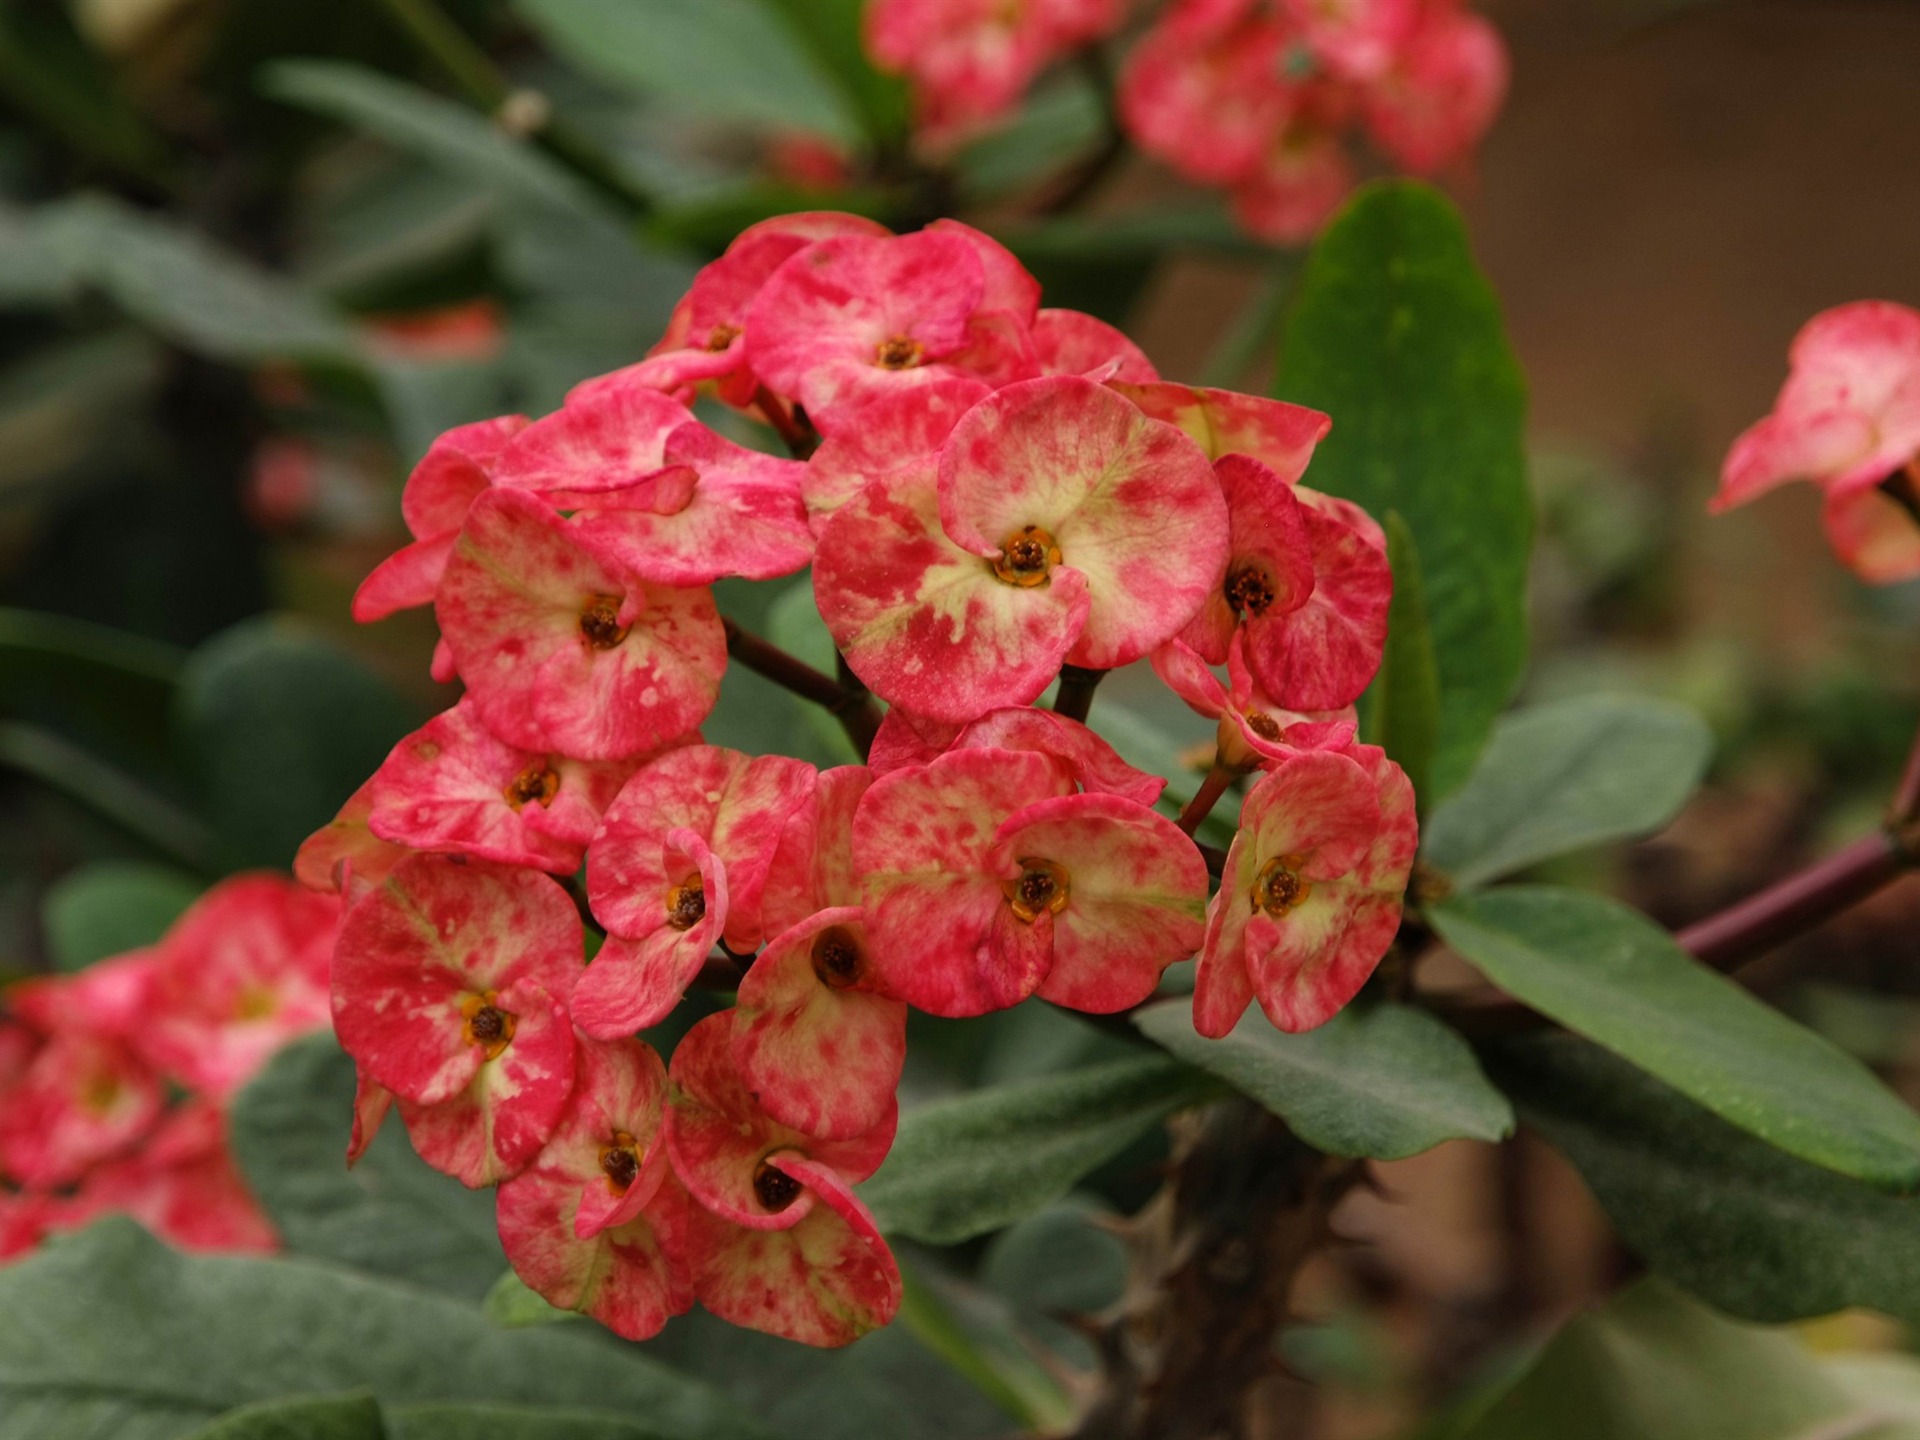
(600, 623)
(774, 1189)
(1280, 887)
(900, 352)
(537, 784)
(1027, 557)
(837, 960)
(686, 903)
(1041, 886)
(488, 1026)
(620, 1162)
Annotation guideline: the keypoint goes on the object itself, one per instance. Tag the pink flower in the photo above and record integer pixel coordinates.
(597, 1223)
(344, 856)
(563, 649)
(1438, 98)
(1269, 569)
(241, 973)
(182, 1185)
(1066, 342)
(972, 60)
(812, 865)
(1203, 89)
(1102, 532)
(896, 443)
(1254, 731)
(856, 317)
(658, 491)
(1847, 419)
(1356, 39)
(82, 1099)
(1279, 435)
(679, 861)
(450, 984)
(704, 345)
(1086, 760)
(989, 880)
(778, 1240)
(451, 786)
(1311, 894)
(1296, 186)
(452, 474)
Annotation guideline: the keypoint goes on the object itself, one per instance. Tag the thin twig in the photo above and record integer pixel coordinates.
(1205, 798)
(854, 709)
(1796, 904)
(801, 441)
(1075, 696)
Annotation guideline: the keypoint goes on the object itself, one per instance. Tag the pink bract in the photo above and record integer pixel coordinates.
(1323, 654)
(1357, 39)
(1088, 760)
(826, 1280)
(816, 1038)
(812, 868)
(1312, 890)
(241, 973)
(853, 318)
(1254, 730)
(183, 1186)
(1280, 435)
(1296, 186)
(596, 1223)
(680, 860)
(453, 473)
(1439, 96)
(1269, 569)
(562, 649)
(452, 786)
(898, 437)
(450, 984)
(83, 1098)
(721, 1141)
(1203, 89)
(344, 856)
(1066, 342)
(989, 880)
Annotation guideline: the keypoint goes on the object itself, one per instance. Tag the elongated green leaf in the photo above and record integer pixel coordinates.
(832, 31)
(1405, 704)
(314, 1417)
(93, 683)
(112, 1333)
(509, 1422)
(1609, 973)
(1652, 1365)
(728, 59)
(107, 790)
(972, 1164)
(390, 1215)
(1564, 776)
(510, 1303)
(111, 907)
(185, 287)
(1384, 1081)
(277, 729)
(1740, 1224)
(1398, 336)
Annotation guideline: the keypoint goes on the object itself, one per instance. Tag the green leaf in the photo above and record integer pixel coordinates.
(110, 1332)
(794, 624)
(508, 1422)
(732, 60)
(1025, 1393)
(511, 1304)
(97, 684)
(1398, 336)
(1564, 776)
(390, 1215)
(964, 1166)
(1652, 1365)
(1609, 973)
(110, 907)
(186, 288)
(832, 31)
(1735, 1221)
(105, 789)
(1061, 120)
(1384, 1081)
(317, 1417)
(1404, 707)
(277, 729)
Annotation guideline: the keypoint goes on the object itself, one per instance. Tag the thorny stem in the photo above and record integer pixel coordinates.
(854, 709)
(1075, 696)
(1205, 798)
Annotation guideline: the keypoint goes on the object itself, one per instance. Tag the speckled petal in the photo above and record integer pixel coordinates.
(1323, 654)
(1280, 435)
(812, 866)
(897, 436)
(638, 977)
(1068, 342)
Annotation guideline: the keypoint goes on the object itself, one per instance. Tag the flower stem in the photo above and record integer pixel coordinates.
(1205, 798)
(800, 440)
(854, 709)
(1075, 697)
(1796, 904)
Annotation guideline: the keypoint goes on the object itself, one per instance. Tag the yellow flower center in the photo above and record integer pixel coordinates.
(1041, 886)
(1027, 557)
(1280, 888)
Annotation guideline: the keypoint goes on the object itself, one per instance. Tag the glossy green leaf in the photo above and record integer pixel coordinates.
(312, 1417)
(1731, 1219)
(510, 1422)
(278, 728)
(1564, 776)
(111, 907)
(964, 1166)
(734, 60)
(1404, 706)
(833, 33)
(1652, 1365)
(112, 1333)
(974, 1341)
(1384, 1081)
(511, 1304)
(390, 1215)
(1609, 973)
(1398, 336)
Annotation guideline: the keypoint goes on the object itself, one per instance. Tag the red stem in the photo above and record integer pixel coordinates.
(1075, 695)
(1796, 904)
(854, 709)
(1205, 798)
(800, 440)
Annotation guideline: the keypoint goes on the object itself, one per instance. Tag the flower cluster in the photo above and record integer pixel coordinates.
(992, 495)
(1848, 419)
(1266, 98)
(114, 1081)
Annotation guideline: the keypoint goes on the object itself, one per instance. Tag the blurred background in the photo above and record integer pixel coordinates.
(253, 257)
